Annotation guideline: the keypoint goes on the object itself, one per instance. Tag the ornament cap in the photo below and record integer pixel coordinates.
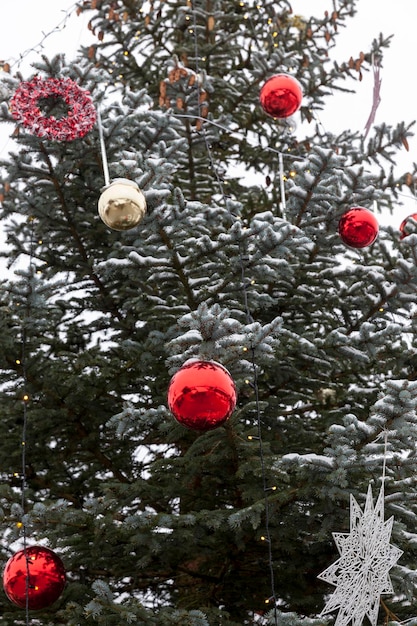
(121, 181)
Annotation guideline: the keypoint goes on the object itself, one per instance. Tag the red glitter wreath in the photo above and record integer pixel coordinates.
(79, 120)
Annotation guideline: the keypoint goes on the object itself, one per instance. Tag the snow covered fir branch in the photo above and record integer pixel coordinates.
(227, 249)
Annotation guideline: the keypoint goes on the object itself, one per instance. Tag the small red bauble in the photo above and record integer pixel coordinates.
(406, 227)
(35, 573)
(281, 95)
(79, 120)
(202, 395)
(358, 227)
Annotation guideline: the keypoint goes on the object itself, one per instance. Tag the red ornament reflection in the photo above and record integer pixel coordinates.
(281, 95)
(202, 395)
(37, 573)
(358, 227)
(407, 227)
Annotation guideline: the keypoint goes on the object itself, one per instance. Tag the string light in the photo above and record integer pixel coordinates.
(40, 45)
(25, 399)
(283, 178)
(254, 382)
(236, 134)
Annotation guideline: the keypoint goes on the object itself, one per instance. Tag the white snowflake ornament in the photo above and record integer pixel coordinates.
(361, 574)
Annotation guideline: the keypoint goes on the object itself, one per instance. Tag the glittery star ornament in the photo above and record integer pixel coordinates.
(202, 395)
(37, 575)
(361, 574)
(358, 227)
(281, 96)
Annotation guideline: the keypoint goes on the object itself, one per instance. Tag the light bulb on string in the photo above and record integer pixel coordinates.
(34, 577)
(250, 353)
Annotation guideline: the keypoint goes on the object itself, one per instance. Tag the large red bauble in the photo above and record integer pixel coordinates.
(406, 228)
(36, 573)
(281, 95)
(358, 227)
(202, 395)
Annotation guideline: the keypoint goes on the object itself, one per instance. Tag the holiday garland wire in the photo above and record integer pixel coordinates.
(20, 583)
(25, 399)
(39, 46)
(23, 476)
(249, 318)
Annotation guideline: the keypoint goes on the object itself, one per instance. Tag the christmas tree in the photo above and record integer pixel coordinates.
(237, 261)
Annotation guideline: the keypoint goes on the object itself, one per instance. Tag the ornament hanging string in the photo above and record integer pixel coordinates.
(384, 461)
(103, 149)
(249, 318)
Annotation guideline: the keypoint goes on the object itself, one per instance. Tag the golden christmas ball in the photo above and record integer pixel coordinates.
(122, 205)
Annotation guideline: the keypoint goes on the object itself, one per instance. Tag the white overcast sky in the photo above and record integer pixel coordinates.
(26, 23)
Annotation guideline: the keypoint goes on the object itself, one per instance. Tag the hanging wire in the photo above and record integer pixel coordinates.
(283, 203)
(384, 463)
(40, 45)
(249, 319)
(103, 149)
(25, 399)
(235, 133)
(23, 478)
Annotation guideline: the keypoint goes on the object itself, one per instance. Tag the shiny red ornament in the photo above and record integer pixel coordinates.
(80, 118)
(35, 573)
(358, 227)
(202, 395)
(406, 227)
(281, 95)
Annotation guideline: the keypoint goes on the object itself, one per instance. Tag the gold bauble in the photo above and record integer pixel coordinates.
(122, 205)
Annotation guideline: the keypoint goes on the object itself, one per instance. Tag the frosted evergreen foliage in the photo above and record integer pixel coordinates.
(158, 525)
